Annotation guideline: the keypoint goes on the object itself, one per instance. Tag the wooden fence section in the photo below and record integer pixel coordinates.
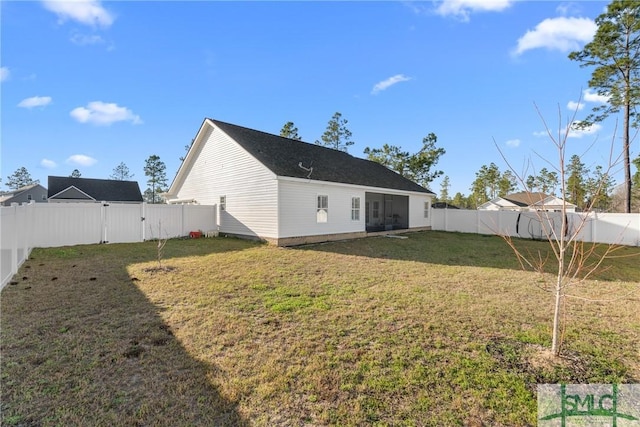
(41, 225)
(614, 228)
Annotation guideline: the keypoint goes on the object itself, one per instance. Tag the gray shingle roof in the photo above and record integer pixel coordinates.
(100, 189)
(283, 157)
(525, 198)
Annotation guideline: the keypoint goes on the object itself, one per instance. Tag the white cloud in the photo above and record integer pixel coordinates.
(575, 132)
(461, 9)
(35, 101)
(102, 113)
(569, 8)
(48, 164)
(81, 160)
(88, 12)
(85, 39)
(4, 74)
(513, 143)
(385, 84)
(563, 34)
(575, 106)
(590, 96)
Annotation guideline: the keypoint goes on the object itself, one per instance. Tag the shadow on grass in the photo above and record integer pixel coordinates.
(82, 345)
(470, 250)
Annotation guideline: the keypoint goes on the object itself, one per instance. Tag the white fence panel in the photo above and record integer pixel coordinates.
(200, 218)
(14, 248)
(65, 224)
(618, 228)
(462, 221)
(62, 224)
(613, 228)
(163, 221)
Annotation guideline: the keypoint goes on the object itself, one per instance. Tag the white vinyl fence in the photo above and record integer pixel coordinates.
(42, 225)
(613, 228)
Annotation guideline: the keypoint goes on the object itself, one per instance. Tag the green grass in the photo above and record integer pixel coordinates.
(438, 329)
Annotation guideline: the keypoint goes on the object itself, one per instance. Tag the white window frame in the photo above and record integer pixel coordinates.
(355, 208)
(223, 203)
(427, 207)
(322, 208)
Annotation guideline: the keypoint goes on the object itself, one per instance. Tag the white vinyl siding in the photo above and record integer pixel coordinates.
(222, 167)
(419, 207)
(298, 202)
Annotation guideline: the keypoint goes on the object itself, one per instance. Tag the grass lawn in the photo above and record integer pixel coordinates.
(437, 329)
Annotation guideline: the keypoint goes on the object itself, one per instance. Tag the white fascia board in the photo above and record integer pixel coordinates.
(355, 186)
(69, 188)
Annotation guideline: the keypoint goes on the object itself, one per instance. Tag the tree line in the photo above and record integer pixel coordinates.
(584, 187)
(154, 170)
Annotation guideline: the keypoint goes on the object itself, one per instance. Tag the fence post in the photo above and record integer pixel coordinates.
(446, 218)
(143, 218)
(26, 227)
(14, 242)
(182, 230)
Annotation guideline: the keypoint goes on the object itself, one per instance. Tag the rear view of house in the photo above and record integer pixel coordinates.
(290, 192)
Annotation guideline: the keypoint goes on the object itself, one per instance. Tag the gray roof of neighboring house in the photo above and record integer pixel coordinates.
(108, 190)
(443, 205)
(525, 198)
(287, 157)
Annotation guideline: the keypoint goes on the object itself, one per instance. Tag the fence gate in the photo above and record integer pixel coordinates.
(121, 223)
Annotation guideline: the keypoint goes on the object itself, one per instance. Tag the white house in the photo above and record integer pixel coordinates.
(527, 201)
(290, 192)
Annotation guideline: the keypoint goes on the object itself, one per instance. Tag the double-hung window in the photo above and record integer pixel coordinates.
(322, 208)
(426, 209)
(223, 203)
(355, 209)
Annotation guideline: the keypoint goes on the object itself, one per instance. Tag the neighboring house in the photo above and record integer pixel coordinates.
(68, 189)
(26, 194)
(526, 201)
(290, 192)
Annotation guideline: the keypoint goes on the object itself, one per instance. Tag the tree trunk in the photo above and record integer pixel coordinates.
(627, 160)
(555, 345)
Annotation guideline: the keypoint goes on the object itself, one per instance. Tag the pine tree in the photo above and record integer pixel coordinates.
(20, 178)
(337, 135)
(155, 170)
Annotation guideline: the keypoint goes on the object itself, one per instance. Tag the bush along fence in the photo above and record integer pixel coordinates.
(610, 228)
(27, 226)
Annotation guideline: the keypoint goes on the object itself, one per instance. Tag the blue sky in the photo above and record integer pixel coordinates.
(89, 84)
